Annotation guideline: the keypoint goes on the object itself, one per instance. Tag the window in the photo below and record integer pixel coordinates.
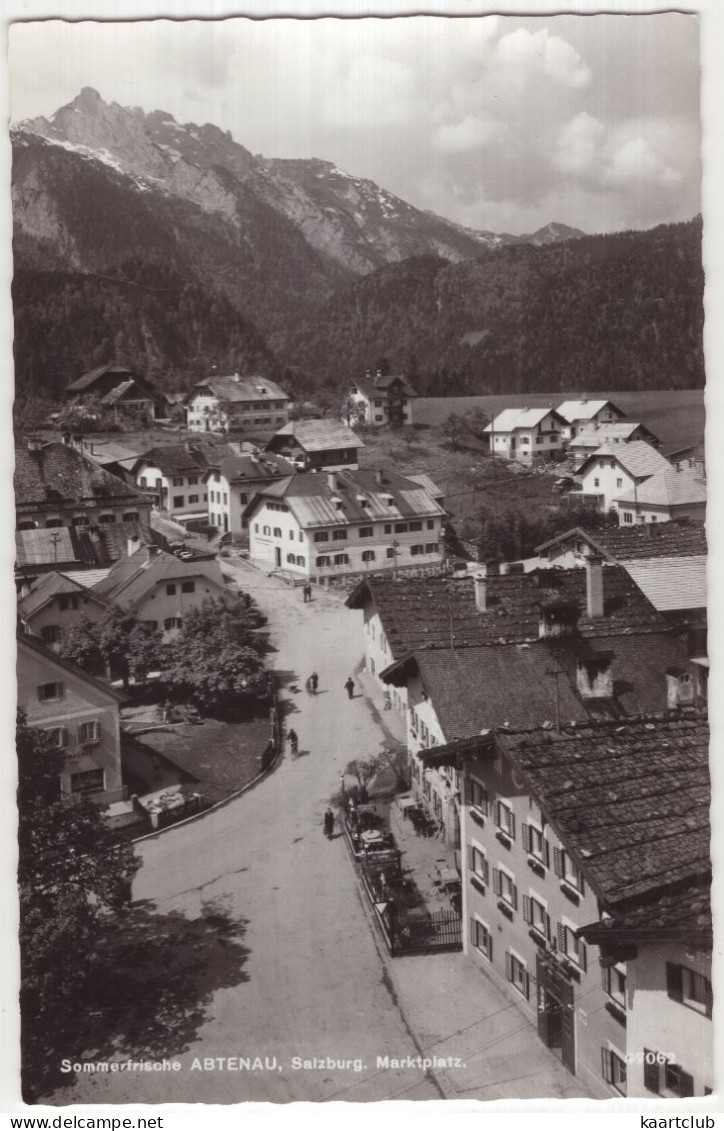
(478, 797)
(48, 691)
(570, 945)
(178, 500)
(58, 736)
(619, 482)
(290, 559)
(662, 1076)
(613, 980)
(517, 974)
(291, 535)
(301, 561)
(366, 531)
(401, 528)
(277, 531)
(504, 886)
(341, 559)
(301, 536)
(243, 499)
(88, 781)
(188, 586)
(627, 517)
(226, 498)
(536, 844)
(80, 520)
(689, 987)
(143, 482)
(51, 633)
(391, 552)
(339, 535)
(368, 555)
(193, 498)
(613, 1068)
(106, 518)
(568, 872)
(89, 732)
(321, 536)
(432, 547)
(267, 530)
(323, 560)
(152, 625)
(170, 590)
(535, 913)
(388, 528)
(178, 482)
(481, 938)
(430, 524)
(192, 480)
(505, 818)
(68, 603)
(171, 623)
(479, 865)
(415, 526)
(596, 483)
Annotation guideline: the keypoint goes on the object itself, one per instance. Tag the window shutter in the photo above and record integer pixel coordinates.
(508, 966)
(527, 916)
(651, 1071)
(686, 1084)
(606, 1068)
(471, 859)
(486, 872)
(514, 896)
(605, 979)
(558, 861)
(497, 813)
(546, 853)
(497, 886)
(512, 825)
(561, 931)
(548, 926)
(582, 883)
(484, 803)
(583, 956)
(674, 981)
(525, 836)
(527, 985)
(708, 997)
(473, 931)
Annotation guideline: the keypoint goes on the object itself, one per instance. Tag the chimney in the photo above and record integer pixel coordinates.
(481, 585)
(332, 480)
(594, 676)
(594, 586)
(557, 617)
(380, 477)
(237, 377)
(152, 552)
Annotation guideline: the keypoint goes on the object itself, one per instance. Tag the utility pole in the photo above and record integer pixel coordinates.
(557, 672)
(55, 539)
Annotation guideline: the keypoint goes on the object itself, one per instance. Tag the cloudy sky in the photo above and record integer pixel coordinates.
(496, 122)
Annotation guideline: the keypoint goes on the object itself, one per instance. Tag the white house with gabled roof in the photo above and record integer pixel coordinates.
(587, 413)
(614, 471)
(526, 434)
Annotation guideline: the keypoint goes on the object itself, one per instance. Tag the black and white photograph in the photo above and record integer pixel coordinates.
(361, 559)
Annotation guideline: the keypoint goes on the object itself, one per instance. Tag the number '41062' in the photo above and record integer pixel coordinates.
(643, 1056)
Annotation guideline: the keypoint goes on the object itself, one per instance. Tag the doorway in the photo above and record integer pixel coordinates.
(277, 557)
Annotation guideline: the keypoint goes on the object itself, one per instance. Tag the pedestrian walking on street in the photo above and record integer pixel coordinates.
(293, 742)
(313, 682)
(328, 824)
(350, 687)
(307, 593)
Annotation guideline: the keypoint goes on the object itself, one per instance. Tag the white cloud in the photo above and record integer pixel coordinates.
(471, 133)
(579, 144)
(542, 52)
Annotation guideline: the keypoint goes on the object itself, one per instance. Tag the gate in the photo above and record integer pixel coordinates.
(439, 931)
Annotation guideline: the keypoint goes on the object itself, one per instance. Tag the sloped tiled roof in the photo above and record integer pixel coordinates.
(512, 418)
(676, 915)
(584, 410)
(57, 473)
(57, 545)
(26, 640)
(266, 466)
(374, 386)
(672, 583)
(649, 540)
(310, 498)
(184, 459)
(630, 800)
(319, 435)
(119, 391)
(88, 379)
(426, 613)
(232, 389)
(669, 487)
(638, 458)
(48, 586)
(476, 688)
(619, 432)
(130, 580)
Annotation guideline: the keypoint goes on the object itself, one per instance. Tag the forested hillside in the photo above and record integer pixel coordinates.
(620, 311)
(150, 319)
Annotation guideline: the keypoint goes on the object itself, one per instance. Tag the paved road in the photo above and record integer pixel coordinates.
(316, 985)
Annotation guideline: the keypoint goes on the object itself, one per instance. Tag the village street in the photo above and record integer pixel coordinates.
(314, 983)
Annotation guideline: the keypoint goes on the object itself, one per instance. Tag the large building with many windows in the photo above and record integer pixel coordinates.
(237, 404)
(319, 525)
